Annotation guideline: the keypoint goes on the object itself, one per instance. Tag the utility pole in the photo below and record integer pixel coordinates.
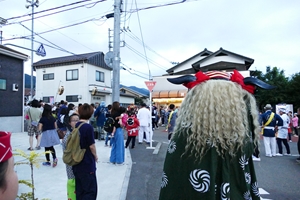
(116, 51)
(31, 4)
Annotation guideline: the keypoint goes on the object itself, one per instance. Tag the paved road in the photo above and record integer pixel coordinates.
(278, 177)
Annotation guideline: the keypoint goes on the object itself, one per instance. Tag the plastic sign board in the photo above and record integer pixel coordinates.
(41, 51)
(150, 85)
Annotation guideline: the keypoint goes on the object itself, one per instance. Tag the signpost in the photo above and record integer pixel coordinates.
(150, 85)
(41, 51)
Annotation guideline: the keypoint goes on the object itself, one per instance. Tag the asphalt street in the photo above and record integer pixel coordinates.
(278, 177)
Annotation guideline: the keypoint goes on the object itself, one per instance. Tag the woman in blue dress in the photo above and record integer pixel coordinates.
(117, 154)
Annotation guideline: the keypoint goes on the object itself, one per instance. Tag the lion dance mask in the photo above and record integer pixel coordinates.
(217, 129)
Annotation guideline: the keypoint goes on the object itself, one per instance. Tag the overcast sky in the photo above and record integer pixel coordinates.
(266, 31)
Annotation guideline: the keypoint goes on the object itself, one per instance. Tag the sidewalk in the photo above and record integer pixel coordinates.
(50, 183)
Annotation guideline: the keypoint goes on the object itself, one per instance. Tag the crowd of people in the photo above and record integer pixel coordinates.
(53, 124)
(46, 121)
(277, 129)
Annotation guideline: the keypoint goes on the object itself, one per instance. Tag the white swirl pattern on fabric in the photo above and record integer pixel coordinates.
(247, 196)
(255, 189)
(243, 161)
(200, 180)
(248, 178)
(225, 189)
(172, 147)
(164, 180)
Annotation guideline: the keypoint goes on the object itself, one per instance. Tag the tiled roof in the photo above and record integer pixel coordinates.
(13, 51)
(95, 58)
(205, 52)
(221, 51)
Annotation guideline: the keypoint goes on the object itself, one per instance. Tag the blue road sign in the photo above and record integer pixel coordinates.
(41, 51)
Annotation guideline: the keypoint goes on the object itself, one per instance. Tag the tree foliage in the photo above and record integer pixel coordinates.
(287, 89)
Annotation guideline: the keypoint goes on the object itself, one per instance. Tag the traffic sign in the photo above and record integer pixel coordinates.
(41, 51)
(150, 85)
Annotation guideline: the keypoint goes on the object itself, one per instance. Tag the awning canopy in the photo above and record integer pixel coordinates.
(169, 94)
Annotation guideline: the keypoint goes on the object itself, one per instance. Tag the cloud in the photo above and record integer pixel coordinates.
(266, 31)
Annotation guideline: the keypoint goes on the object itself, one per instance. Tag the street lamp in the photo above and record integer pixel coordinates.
(31, 4)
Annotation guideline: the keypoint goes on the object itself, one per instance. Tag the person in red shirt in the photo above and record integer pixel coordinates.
(132, 127)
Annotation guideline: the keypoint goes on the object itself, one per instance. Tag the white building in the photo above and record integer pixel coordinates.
(165, 93)
(85, 78)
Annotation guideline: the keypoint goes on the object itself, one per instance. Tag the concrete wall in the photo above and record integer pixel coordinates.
(12, 124)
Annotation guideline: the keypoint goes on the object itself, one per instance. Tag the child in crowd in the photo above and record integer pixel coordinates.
(132, 127)
(73, 119)
(49, 138)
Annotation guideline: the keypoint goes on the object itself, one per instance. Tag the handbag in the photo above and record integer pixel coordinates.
(33, 123)
(60, 133)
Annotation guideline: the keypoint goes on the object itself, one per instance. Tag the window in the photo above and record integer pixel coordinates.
(2, 84)
(72, 98)
(99, 76)
(48, 99)
(72, 74)
(48, 76)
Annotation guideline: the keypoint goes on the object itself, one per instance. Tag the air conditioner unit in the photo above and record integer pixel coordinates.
(15, 87)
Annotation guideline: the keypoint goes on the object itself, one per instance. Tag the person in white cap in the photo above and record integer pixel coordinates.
(270, 120)
(283, 133)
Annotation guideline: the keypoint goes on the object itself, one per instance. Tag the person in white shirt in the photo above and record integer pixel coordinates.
(283, 133)
(144, 116)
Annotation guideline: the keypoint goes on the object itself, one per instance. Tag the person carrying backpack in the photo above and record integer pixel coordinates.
(100, 115)
(85, 171)
(132, 127)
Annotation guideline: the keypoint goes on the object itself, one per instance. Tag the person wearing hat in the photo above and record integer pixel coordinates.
(283, 133)
(270, 120)
(8, 176)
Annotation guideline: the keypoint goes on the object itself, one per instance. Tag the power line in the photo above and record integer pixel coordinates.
(76, 24)
(49, 9)
(60, 49)
(134, 37)
(124, 68)
(134, 69)
(70, 38)
(48, 40)
(142, 56)
(55, 12)
(150, 77)
(157, 6)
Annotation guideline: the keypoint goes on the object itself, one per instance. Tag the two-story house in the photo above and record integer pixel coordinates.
(165, 93)
(11, 89)
(83, 78)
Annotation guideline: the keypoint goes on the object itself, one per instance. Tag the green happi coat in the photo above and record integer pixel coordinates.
(213, 177)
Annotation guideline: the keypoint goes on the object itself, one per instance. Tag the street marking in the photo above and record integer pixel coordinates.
(263, 192)
(157, 148)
